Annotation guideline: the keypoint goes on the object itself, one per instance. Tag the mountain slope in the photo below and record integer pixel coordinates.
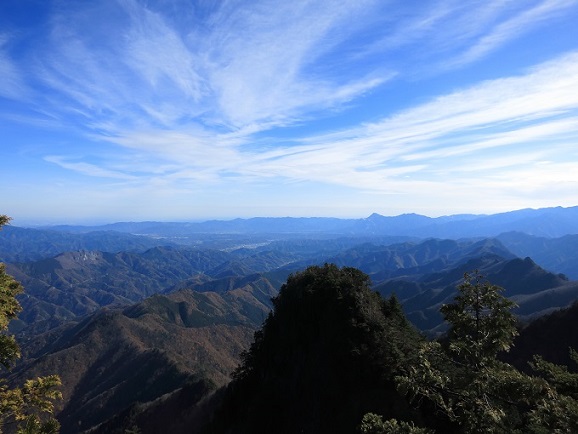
(115, 358)
(555, 254)
(416, 258)
(549, 336)
(534, 289)
(76, 283)
(324, 357)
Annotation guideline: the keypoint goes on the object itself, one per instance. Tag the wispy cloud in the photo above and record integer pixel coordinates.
(254, 67)
(231, 93)
(449, 135)
(11, 85)
(450, 132)
(451, 34)
(526, 20)
(87, 168)
(262, 69)
(248, 66)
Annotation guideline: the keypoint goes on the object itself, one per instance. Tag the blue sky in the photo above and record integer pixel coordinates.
(136, 110)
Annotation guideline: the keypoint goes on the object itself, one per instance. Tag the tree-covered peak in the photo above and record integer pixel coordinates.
(329, 347)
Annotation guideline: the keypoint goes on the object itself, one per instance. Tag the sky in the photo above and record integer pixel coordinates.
(177, 110)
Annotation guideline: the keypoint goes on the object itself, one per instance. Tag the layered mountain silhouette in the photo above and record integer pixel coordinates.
(547, 222)
(74, 284)
(556, 254)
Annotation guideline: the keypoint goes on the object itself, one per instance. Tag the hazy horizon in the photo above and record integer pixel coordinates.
(103, 222)
(186, 110)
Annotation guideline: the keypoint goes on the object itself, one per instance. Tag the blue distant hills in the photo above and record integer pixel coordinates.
(545, 222)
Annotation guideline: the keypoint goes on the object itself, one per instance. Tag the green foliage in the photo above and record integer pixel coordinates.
(28, 406)
(22, 405)
(374, 424)
(564, 381)
(317, 364)
(558, 412)
(333, 309)
(9, 308)
(33, 425)
(466, 382)
(481, 320)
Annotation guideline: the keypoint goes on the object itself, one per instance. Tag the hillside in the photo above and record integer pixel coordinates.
(535, 290)
(26, 244)
(549, 336)
(324, 357)
(555, 254)
(150, 335)
(114, 359)
(73, 284)
(416, 258)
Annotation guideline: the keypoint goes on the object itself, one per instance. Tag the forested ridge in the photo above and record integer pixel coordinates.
(326, 355)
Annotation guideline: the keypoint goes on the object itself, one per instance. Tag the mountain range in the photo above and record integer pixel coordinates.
(152, 318)
(547, 222)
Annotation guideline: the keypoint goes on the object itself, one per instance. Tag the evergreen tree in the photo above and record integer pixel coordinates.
(466, 382)
(481, 322)
(28, 407)
(374, 424)
(559, 414)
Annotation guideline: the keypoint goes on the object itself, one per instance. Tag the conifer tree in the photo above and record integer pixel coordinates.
(30, 406)
(374, 424)
(463, 378)
(561, 413)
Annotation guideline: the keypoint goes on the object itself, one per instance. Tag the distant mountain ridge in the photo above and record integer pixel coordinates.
(536, 291)
(556, 254)
(546, 222)
(309, 236)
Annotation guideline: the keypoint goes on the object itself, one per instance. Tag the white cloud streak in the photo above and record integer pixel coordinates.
(466, 124)
(512, 28)
(253, 66)
(247, 69)
(510, 140)
(11, 82)
(87, 169)
(450, 134)
(206, 99)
